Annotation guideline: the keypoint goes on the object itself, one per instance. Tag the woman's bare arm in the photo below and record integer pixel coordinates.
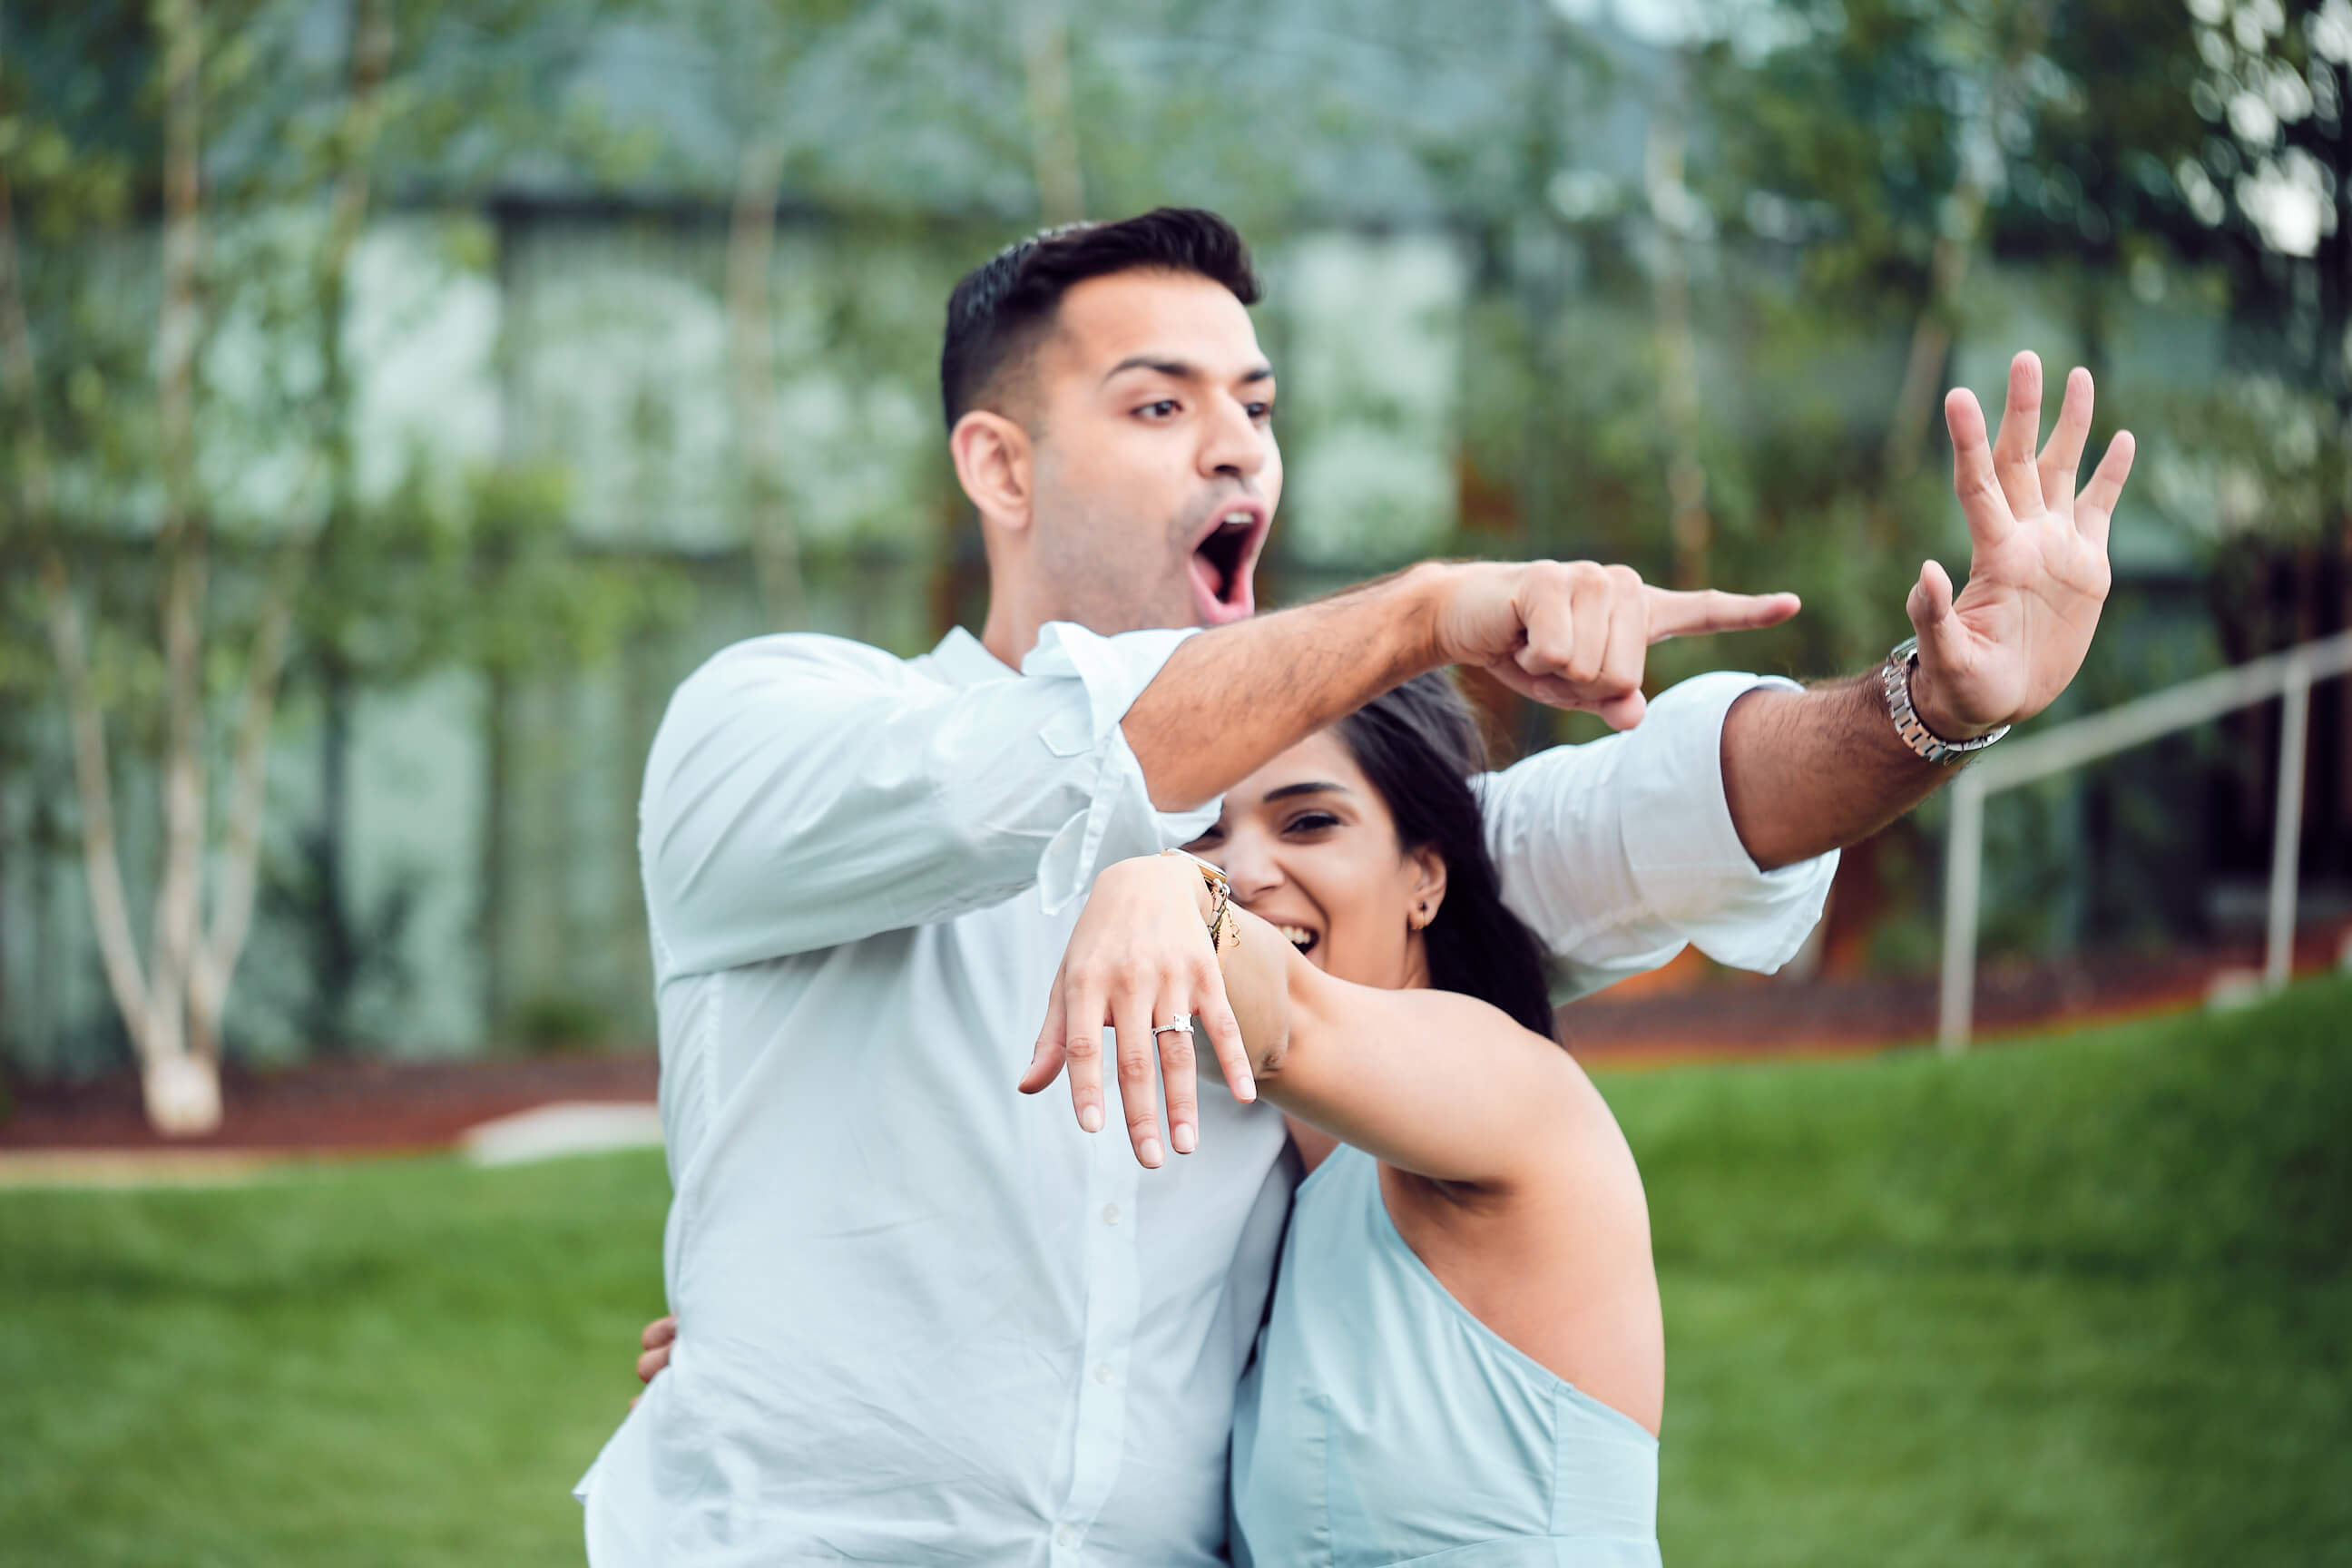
(1432, 1082)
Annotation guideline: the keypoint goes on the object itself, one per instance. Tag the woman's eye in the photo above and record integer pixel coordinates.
(1310, 822)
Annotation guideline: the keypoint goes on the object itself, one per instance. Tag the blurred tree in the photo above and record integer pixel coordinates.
(2264, 475)
(2116, 148)
(170, 998)
(274, 125)
(1858, 161)
(1865, 156)
(2268, 184)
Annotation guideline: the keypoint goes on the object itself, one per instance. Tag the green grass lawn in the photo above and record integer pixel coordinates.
(2082, 1301)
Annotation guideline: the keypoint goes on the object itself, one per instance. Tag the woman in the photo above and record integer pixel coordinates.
(1464, 1361)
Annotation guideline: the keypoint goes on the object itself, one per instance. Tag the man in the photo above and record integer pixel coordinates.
(921, 1319)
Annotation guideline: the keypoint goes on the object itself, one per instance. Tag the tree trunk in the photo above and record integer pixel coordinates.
(1692, 530)
(241, 848)
(232, 914)
(750, 250)
(1931, 335)
(1052, 120)
(170, 1005)
(182, 1089)
(334, 963)
(1947, 265)
(109, 909)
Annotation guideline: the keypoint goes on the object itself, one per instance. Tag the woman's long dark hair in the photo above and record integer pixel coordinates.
(1420, 747)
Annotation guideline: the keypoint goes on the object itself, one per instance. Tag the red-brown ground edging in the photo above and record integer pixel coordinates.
(351, 1106)
(377, 1106)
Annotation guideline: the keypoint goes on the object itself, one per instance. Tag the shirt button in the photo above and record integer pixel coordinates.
(1110, 1214)
(1102, 1374)
(1066, 1536)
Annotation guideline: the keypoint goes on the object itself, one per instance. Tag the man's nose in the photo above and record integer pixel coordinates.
(1234, 447)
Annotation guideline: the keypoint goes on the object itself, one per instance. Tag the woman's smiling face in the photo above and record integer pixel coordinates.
(1311, 848)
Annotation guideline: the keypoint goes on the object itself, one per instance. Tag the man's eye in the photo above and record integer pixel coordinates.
(1160, 410)
(1261, 411)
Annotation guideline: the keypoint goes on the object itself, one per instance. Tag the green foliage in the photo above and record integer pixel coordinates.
(2260, 462)
(481, 573)
(556, 1021)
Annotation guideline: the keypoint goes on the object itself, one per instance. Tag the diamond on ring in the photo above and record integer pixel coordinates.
(1182, 1025)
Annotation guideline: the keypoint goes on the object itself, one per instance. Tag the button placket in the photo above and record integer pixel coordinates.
(1113, 1301)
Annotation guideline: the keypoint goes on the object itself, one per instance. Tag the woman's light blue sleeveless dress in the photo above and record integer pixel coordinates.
(1382, 1424)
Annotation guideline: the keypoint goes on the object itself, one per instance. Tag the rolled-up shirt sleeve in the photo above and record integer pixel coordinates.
(807, 791)
(1619, 852)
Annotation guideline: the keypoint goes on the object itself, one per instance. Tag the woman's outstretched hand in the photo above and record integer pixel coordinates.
(1139, 957)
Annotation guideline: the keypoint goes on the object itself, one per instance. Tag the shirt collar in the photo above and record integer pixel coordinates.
(961, 659)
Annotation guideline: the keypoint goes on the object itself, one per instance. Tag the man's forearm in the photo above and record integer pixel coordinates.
(1808, 772)
(1229, 700)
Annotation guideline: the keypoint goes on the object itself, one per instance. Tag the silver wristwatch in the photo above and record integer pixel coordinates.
(1897, 677)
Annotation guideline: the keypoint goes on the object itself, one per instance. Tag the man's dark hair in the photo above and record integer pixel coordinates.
(1004, 308)
(1420, 747)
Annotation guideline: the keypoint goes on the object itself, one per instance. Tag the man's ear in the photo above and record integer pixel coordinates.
(994, 463)
(1429, 879)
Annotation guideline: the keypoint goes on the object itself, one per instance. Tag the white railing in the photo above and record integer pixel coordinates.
(2289, 675)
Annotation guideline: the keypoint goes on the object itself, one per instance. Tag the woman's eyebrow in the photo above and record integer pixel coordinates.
(1317, 787)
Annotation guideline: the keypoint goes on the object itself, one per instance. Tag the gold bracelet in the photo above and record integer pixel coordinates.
(1219, 912)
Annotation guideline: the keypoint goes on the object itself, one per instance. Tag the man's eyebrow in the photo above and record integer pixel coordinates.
(1319, 787)
(1174, 369)
(1182, 370)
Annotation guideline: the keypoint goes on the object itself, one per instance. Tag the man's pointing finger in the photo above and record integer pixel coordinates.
(1681, 614)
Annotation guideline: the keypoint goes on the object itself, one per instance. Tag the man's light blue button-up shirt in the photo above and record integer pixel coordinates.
(923, 1319)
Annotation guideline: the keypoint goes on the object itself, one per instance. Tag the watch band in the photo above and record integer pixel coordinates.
(1895, 677)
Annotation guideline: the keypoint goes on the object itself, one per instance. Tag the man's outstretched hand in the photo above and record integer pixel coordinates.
(1576, 634)
(2005, 648)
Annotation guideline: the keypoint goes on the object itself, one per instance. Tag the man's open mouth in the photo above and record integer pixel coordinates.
(1224, 559)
